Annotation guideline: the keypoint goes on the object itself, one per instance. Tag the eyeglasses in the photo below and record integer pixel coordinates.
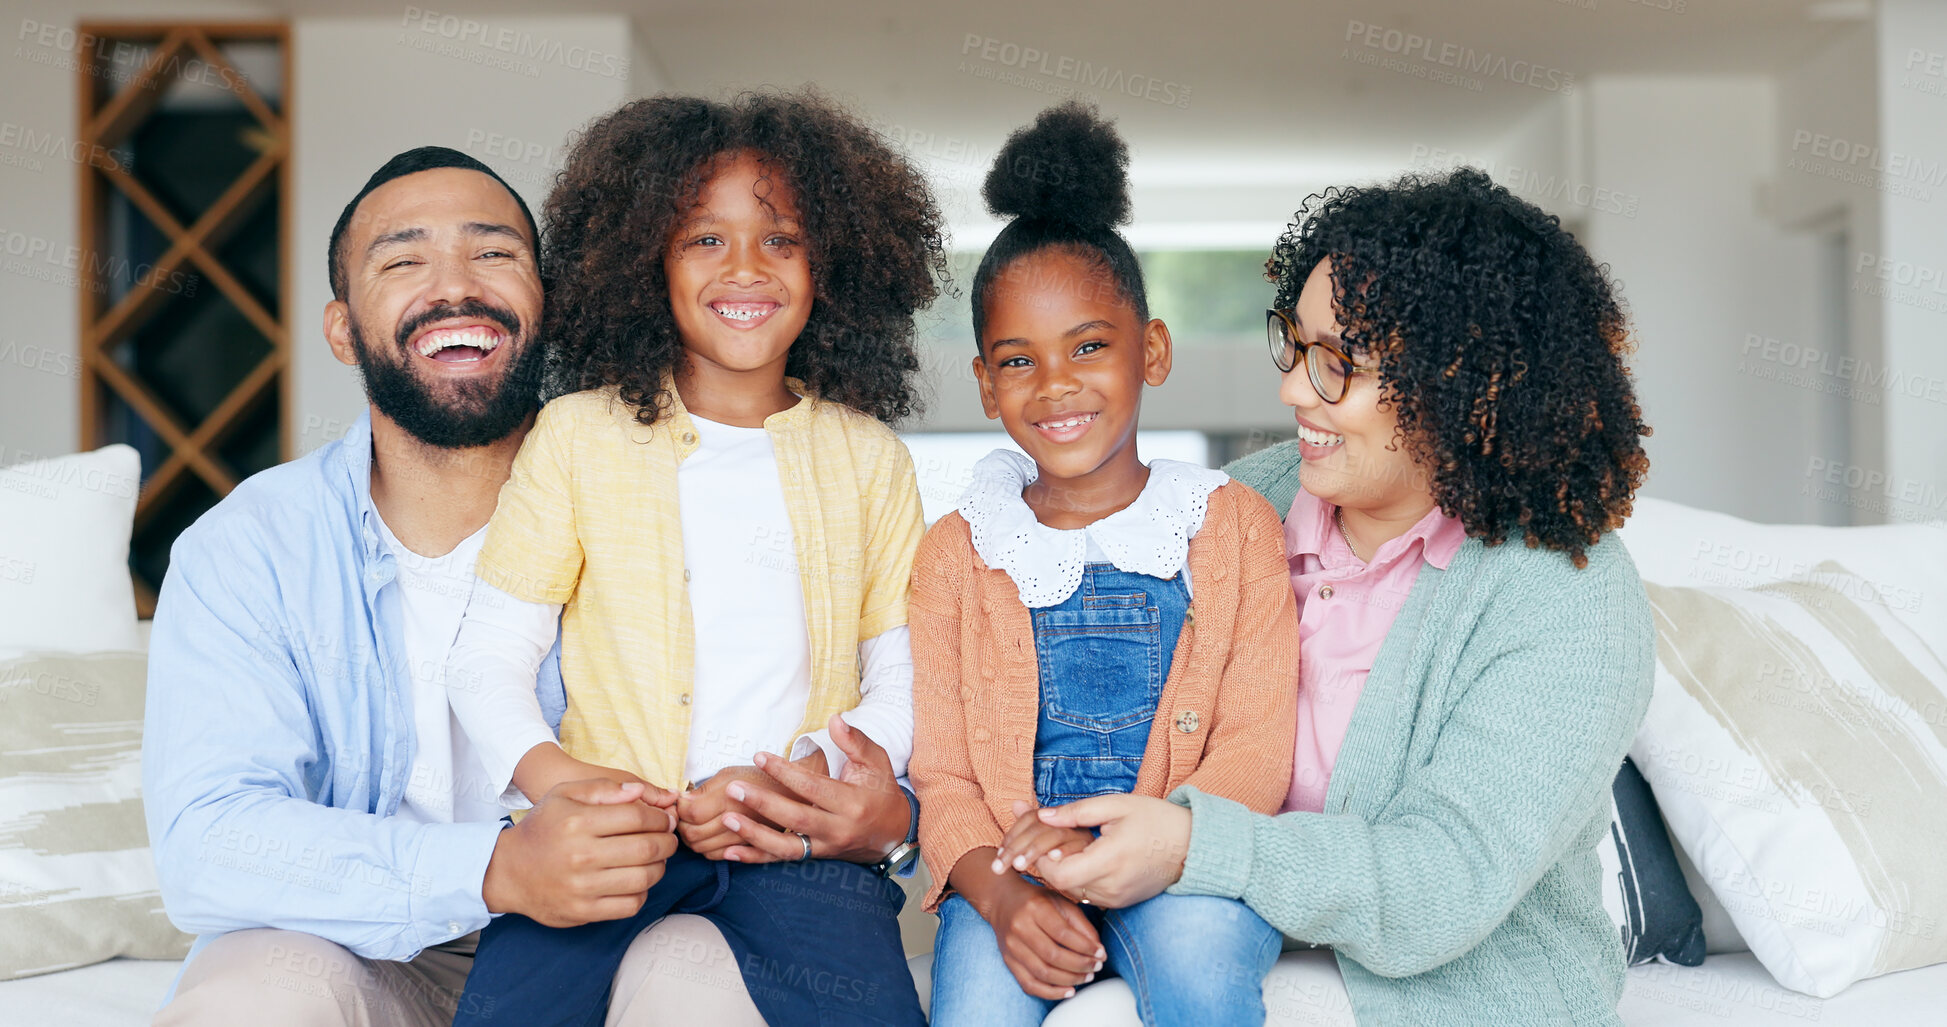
(1325, 364)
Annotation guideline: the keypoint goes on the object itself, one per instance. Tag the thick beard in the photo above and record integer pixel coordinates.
(474, 413)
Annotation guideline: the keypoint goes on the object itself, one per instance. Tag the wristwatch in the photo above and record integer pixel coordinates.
(901, 858)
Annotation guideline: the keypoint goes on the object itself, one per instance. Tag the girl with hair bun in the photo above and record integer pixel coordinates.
(1085, 624)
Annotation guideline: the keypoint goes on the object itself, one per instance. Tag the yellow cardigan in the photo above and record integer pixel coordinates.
(589, 518)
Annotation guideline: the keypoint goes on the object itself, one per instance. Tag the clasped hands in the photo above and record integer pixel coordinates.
(598, 838)
(1047, 941)
(1139, 852)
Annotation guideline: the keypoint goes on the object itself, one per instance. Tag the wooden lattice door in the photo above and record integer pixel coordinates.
(184, 281)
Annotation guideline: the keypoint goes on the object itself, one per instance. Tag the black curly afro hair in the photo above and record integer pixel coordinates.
(1065, 182)
(873, 232)
(1500, 343)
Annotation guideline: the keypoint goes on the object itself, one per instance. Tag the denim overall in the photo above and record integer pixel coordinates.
(1103, 655)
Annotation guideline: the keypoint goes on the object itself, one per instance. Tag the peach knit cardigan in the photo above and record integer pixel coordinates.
(1225, 722)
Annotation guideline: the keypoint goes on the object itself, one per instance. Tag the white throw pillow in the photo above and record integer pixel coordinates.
(64, 532)
(1797, 739)
(77, 878)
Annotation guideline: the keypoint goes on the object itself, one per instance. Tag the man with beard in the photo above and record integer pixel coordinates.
(317, 818)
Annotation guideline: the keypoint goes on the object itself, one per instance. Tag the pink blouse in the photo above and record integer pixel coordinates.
(1345, 607)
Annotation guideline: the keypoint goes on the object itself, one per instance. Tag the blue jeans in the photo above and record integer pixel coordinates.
(817, 943)
(1190, 959)
(1102, 656)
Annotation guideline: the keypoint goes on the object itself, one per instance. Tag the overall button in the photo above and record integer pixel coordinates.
(686, 574)
(683, 699)
(1187, 721)
(689, 438)
(1324, 591)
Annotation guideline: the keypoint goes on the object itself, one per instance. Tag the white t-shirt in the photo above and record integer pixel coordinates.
(447, 782)
(742, 570)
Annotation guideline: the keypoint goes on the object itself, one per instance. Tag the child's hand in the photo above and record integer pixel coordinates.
(1029, 840)
(546, 767)
(1045, 940)
(699, 812)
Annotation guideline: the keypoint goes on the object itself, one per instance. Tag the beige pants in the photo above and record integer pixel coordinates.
(679, 972)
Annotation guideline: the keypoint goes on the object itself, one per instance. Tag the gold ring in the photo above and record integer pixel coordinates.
(1084, 896)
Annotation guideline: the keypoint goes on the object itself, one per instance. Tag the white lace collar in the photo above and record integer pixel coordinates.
(1149, 536)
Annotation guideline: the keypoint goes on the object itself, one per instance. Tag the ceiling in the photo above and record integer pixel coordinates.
(1263, 92)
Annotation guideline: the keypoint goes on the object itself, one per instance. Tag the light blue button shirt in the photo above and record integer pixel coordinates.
(279, 735)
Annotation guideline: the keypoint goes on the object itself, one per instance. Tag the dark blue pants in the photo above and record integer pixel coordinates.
(817, 943)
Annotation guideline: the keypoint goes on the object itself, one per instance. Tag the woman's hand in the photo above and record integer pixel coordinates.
(1140, 852)
(1029, 840)
(857, 817)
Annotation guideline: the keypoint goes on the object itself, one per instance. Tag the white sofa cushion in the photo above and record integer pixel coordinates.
(77, 879)
(1304, 990)
(118, 993)
(64, 531)
(1734, 989)
(1797, 740)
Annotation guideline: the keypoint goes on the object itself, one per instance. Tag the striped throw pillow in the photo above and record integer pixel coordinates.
(77, 882)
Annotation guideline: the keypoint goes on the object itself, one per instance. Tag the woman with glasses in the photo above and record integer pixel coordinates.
(1476, 650)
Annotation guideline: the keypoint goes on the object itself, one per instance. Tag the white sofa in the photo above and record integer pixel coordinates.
(1730, 988)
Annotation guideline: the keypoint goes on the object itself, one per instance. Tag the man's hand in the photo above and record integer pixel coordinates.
(858, 816)
(1045, 940)
(700, 812)
(590, 850)
(1030, 839)
(1141, 851)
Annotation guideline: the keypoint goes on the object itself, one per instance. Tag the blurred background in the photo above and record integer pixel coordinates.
(1767, 180)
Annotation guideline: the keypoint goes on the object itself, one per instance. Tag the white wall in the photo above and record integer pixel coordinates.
(1719, 244)
(1828, 111)
(40, 369)
(1912, 269)
(1701, 268)
(505, 90)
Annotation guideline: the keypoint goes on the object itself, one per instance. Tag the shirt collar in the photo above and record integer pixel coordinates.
(1310, 528)
(355, 457)
(1149, 536)
(683, 430)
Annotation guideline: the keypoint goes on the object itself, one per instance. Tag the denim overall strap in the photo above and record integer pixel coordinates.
(1102, 656)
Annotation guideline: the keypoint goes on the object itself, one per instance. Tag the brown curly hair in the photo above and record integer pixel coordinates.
(873, 234)
(1500, 343)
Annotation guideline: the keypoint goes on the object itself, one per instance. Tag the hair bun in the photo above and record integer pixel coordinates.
(1069, 166)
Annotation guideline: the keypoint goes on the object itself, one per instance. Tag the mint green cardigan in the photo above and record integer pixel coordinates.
(1454, 869)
